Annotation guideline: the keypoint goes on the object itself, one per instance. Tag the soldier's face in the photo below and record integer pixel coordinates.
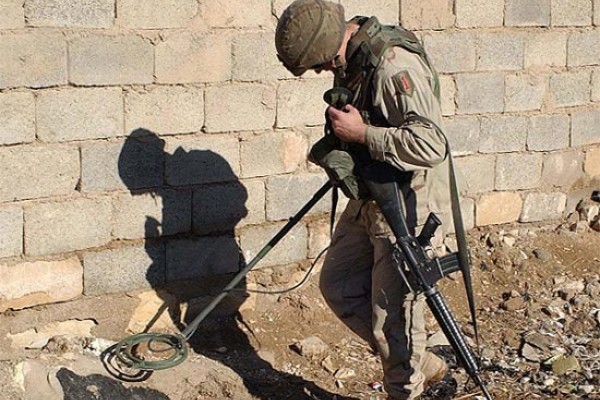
(326, 66)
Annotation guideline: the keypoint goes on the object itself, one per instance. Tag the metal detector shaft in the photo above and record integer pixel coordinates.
(189, 331)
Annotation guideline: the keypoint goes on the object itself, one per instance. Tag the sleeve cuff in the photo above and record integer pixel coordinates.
(376, 142)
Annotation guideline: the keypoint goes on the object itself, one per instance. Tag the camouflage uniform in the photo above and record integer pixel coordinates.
(359, 280)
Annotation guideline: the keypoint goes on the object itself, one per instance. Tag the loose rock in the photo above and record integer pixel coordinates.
(311, 347)
(542, 255)
(514, 304)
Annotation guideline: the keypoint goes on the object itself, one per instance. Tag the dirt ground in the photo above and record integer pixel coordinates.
(507, 272)
(527, 280)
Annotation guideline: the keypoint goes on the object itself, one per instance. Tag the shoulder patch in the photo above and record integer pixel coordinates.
(404, 83)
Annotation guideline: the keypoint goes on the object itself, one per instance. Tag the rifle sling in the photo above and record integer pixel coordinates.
(459, 229)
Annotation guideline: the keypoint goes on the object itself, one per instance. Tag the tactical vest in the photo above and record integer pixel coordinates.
(364, 54)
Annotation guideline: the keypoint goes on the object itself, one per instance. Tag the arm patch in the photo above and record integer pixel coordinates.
(404, 83)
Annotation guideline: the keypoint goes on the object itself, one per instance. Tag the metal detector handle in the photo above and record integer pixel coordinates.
(189, 331)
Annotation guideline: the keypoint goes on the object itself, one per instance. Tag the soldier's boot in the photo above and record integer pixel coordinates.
(433, 368)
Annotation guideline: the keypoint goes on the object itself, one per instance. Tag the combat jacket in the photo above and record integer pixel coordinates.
(401, 85)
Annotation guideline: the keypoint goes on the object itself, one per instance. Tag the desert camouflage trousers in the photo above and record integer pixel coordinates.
(364, 289)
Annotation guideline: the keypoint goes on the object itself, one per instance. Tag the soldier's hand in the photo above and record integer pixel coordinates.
(348, 124)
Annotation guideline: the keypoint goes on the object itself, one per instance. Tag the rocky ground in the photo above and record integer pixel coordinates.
(538, 295)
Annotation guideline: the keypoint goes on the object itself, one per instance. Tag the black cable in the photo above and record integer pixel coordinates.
(290, 289)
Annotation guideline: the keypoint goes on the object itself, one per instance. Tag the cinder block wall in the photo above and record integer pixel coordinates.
(143, 142)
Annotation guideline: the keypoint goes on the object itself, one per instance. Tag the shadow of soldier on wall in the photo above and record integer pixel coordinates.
(202, 202)
(190, 241)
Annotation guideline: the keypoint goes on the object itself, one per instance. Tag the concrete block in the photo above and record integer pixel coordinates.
(292, 248)
(548, 132)
(592, 162)
(29, 284)
(33, 59)
(12, 14)
(570, 88)
(17, 118)
(467, 208)
(500, 51)
(579, 45)
(156, 14)
(463, 133)
(543, 207)
(70, 13)
(240, 107)
(471, 99)
(596, 7)
(516, 171)
(11, 231)
(387, 11)
(479, 13)
(300, 102)
(527, 13)
(52, 228)
(165, 110)
(79, 114)
(498, 208)
(546, 49)
(132, 164)
(255, 57)
(448, 95)
(571, 13)
(255, 203)
(272, 153)
(287, 194)
(246, 14)
(596, 84)
(562, 169)
(202, 159)
(435, 14)
(194, 259)
(124, 268)
(280, 5)
(525, 92)
(111, 60)
(585, 128)
(318, 237)
(478, 171)
(149, 215)
(452, 52)
(219, 208)
(503, 134)
(48, 171)
(193, 58)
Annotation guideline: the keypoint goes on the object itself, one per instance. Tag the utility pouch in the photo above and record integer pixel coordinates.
(340, 167)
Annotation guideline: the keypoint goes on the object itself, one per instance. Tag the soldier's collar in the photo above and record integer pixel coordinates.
(369, 27)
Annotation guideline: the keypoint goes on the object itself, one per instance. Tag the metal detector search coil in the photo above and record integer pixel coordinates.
(174, 346)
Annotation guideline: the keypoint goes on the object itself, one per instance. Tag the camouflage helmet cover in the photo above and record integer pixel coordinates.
(309, 32)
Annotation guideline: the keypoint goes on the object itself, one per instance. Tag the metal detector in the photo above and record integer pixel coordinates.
(171, 350)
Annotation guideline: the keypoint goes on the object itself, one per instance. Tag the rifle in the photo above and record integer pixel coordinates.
(424, 271)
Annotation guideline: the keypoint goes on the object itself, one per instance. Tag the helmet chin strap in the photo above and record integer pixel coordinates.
(340, 67)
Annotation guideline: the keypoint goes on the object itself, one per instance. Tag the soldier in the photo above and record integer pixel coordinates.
(393, 86)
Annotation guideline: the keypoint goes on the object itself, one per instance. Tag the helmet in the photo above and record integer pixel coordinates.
(309, 32)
